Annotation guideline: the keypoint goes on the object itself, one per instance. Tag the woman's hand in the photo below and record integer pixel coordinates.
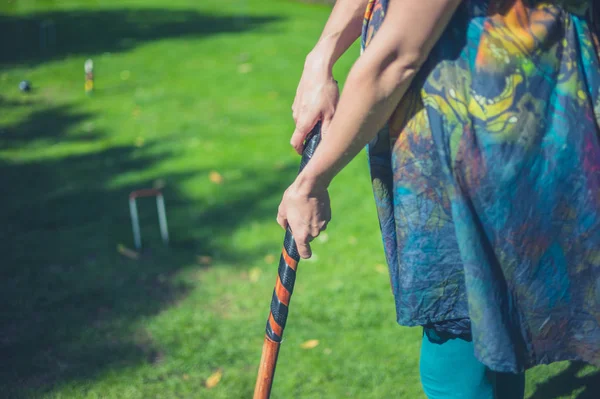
(306, 210)
(317, 94)
(316, 99)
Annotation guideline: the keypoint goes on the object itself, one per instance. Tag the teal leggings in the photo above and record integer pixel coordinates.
(449, 370)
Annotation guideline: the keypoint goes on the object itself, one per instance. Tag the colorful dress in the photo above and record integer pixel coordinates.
(487, 183)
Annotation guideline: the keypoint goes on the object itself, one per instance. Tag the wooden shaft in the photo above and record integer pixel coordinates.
(266, 370)
(282, 293)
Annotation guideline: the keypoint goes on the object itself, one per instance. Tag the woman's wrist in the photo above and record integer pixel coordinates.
(322, 58)
(309, 182)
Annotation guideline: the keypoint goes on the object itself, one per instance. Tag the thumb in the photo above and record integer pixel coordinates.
(303, 127)
(304, 250)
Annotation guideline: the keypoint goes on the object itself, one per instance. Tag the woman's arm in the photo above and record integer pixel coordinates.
(342, 29)
(317, 94)
(374, 87)
(378, 81)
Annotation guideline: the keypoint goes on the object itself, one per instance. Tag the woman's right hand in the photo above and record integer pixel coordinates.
(316, 99)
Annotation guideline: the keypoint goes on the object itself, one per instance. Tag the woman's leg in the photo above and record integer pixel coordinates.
(449, 370)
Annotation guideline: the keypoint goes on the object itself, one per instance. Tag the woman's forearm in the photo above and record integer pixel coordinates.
(366, 104)
(377, 83)
(342, 29)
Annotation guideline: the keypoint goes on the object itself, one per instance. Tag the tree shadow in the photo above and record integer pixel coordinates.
(43, 124)
(567, 382)
(6, 103)
(69, 301)
(39, 37)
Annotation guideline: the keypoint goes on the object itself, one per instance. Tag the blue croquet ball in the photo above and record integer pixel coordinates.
(25, 86)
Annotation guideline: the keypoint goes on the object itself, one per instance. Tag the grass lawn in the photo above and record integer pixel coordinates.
(192, 96)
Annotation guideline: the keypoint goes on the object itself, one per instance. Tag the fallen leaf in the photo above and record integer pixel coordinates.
(215, 177)
(129, 253)
(186, 377)
(245, 68)
(204, 260)
(327, 351)
(214, 379)
(381, 269)
(254, 274)
(311, 343)
(269, 259)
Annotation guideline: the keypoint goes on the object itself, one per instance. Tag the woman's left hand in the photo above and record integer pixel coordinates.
(306, 211)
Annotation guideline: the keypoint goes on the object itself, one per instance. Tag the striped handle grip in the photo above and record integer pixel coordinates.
(289, 260)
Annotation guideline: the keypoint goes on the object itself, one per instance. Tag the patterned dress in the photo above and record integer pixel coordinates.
(487, 183)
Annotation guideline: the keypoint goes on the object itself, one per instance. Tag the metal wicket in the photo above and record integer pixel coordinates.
(160, 208)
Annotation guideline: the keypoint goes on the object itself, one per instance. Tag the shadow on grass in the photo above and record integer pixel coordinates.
(70, 303)
(568, 382)
(43, 124)
(41, 37)
(8, 104)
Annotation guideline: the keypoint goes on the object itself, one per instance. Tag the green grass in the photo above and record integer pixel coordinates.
(183, 89)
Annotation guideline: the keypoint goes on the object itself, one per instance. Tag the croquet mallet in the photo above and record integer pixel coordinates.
(288, 262)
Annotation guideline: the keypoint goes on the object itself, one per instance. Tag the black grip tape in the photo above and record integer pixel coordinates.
(279, 311)
(290, 245)
(312, 141)
(271, 334)
(287, 275)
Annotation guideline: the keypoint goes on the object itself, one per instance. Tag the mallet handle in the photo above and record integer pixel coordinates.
(284, 286)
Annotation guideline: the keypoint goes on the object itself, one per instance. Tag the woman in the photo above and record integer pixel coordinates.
(481, 119)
